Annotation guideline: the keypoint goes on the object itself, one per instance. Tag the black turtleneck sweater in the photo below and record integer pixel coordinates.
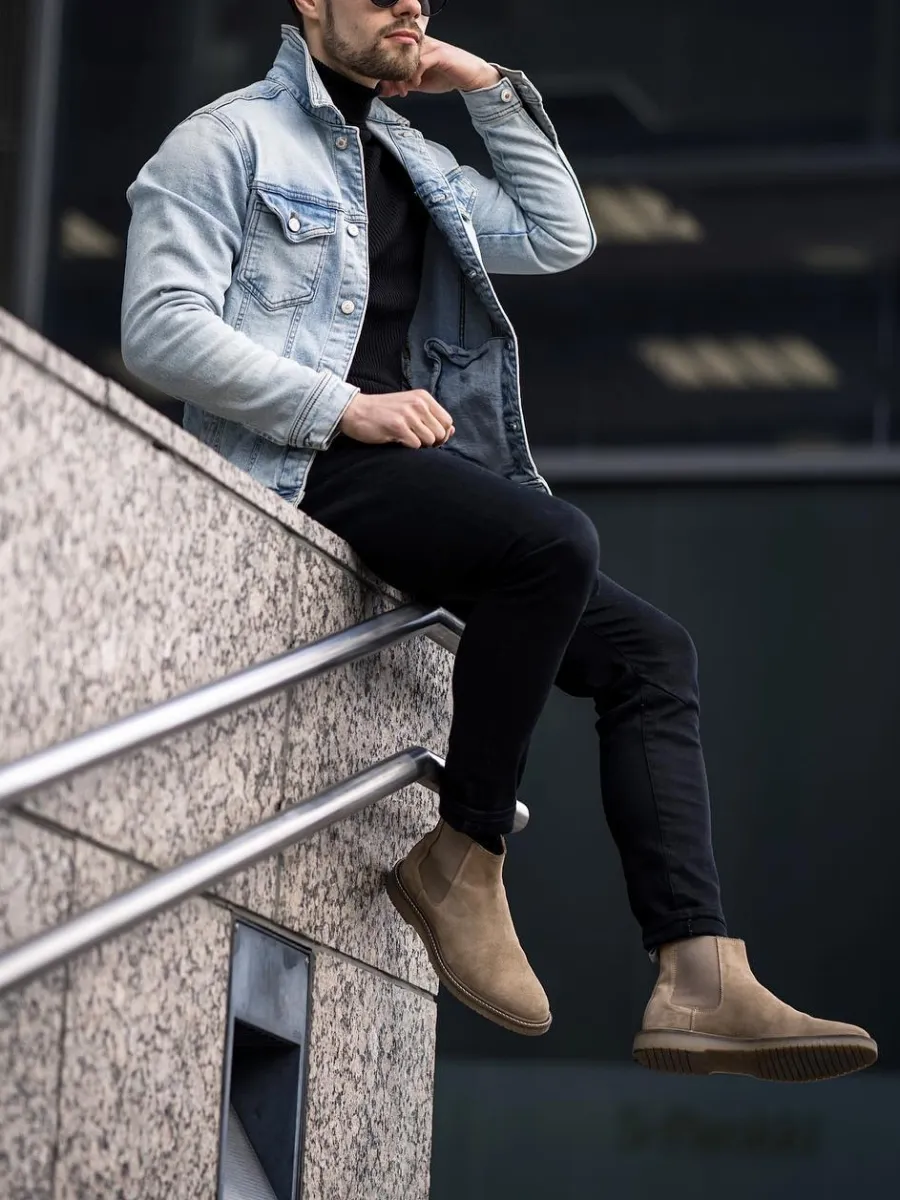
(397, 225)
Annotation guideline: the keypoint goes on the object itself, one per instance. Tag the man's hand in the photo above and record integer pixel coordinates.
(413, 419)
(444, 68)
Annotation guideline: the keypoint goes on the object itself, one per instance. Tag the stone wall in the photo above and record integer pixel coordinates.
(134, 565)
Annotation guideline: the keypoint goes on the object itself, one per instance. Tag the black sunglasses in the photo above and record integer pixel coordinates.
(430, 8)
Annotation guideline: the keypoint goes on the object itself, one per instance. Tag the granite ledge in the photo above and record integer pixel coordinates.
(134, 412)
(107, 394)
(26, 342)
(140, 416)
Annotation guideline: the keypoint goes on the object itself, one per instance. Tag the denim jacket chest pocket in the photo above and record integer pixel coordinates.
(286, 246)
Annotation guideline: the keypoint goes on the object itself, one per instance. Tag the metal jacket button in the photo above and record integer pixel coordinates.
(348, 307)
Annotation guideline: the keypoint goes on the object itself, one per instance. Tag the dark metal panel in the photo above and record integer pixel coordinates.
(269, 984)
(265, 1066)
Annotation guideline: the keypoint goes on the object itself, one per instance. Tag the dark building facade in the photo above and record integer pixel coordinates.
(742, 170)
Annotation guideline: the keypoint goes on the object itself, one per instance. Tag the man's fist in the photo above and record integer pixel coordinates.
(413, 419)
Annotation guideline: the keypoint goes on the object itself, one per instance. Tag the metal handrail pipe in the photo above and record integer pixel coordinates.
(19, 779)
(163, 891)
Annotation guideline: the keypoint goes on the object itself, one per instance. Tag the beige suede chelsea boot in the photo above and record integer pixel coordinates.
(450, 890)
(709, 1015)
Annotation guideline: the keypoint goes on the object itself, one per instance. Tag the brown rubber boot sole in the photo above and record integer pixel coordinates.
(413, 916)
(785, 1060)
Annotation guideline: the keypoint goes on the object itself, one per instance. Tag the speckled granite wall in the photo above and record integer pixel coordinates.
(36, 874)
(134, 565)
(369, 1132)
(142, 1061)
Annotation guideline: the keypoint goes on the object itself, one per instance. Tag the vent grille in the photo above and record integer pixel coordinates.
(244, 1178)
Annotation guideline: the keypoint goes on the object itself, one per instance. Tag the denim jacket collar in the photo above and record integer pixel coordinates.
(295, 70)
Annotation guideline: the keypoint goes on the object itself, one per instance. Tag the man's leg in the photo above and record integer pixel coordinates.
(640, 668)
(518, 566)
(708, 1013)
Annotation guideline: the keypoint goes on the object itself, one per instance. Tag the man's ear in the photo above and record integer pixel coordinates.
(309, 9)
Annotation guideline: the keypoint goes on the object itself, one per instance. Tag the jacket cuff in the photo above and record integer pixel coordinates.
(318, 426)
(514, 93)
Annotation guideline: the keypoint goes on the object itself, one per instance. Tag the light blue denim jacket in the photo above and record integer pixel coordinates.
(247, 272)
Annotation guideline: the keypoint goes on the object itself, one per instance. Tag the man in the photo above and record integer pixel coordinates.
(313, 279)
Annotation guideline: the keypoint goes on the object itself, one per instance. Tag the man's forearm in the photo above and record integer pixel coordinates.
(183, 349)
(548, 208)
(532, 217)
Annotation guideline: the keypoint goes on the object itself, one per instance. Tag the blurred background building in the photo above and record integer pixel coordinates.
(718, 388)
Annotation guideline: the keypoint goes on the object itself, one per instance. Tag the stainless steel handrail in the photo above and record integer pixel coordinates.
(60, 762)
(122, 912)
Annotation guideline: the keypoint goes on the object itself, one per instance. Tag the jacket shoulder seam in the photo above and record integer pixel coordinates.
(266, 89)
(235, 133)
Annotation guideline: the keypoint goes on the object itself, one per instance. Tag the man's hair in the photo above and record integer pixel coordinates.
(295, 16)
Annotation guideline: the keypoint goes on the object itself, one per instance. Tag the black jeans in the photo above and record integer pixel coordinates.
(521, 568)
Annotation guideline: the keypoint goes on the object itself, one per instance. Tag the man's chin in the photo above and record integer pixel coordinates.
(397, 76)
(400, 63)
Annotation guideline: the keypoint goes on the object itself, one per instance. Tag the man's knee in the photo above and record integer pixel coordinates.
(571, 537)
(674, 650)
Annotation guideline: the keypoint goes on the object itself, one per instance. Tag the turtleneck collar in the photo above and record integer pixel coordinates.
(353, 100)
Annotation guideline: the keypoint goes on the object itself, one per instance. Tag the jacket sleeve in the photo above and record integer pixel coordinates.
(189, 207)
(531, 218)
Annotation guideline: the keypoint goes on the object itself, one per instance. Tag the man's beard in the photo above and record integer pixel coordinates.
(374, 62)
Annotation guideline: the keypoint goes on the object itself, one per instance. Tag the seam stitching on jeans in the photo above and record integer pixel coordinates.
(673, 929)
(475, 816)
(662, 840)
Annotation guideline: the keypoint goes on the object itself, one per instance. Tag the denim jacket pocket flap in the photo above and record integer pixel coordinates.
(288, 242)
(300, 220)
(460, 356)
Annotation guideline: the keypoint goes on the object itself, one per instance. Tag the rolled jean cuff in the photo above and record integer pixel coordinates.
(679, 928)
(474, 823)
